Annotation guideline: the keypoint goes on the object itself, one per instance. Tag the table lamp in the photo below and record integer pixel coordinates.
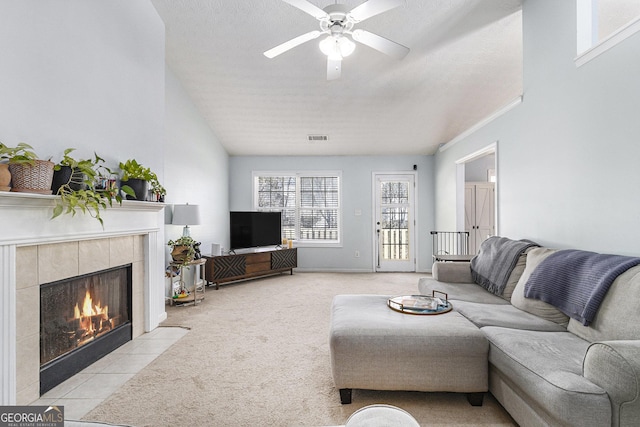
(186, 215)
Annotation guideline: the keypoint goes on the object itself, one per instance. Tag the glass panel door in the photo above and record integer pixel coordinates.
(394, 222)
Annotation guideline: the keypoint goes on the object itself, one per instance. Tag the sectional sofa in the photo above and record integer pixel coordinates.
(546, 368)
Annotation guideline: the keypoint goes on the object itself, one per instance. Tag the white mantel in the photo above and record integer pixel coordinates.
(25, 220)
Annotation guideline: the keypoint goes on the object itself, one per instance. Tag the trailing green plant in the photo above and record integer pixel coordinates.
(84, 197)
(185, 255)
(22, 153)
(182, 241)
(131, 169)
(83, 171)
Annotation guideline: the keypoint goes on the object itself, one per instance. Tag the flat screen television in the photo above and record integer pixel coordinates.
(255, 229)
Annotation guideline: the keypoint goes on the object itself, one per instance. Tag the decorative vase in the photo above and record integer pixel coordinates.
(63, 176)
(5, 177)
(32, 178)
(140, 188)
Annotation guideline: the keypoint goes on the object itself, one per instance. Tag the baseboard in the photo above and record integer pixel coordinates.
(346, 270)
(331, 270)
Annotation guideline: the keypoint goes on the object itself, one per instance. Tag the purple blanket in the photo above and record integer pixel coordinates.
(576, 281)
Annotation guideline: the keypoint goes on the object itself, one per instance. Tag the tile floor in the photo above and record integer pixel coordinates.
(88, 388)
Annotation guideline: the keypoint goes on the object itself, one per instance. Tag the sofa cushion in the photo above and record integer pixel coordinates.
(618, 317)
(460, 272)
(452, 272)
(546, 369)
(515, 275)
(540, 308)
(459, 291)
(504, 315)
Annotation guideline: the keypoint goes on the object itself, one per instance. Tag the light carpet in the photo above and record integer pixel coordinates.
(257, 354)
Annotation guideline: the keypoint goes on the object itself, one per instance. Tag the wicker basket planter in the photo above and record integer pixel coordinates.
(5, 177)
(32, 178)
(182, 254)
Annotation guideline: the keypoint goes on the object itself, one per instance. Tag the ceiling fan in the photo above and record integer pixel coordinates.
(337, 22)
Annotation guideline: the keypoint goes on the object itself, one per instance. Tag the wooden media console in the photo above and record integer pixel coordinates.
(230, 268)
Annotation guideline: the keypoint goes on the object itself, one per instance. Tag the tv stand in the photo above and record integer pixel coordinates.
(241, 266)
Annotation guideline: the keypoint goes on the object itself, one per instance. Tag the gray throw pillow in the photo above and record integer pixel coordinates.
(540, 308)
(515, 275)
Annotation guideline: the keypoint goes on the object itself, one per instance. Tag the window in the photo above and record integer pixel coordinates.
(309, 202)
(614, 15)
(602, 24)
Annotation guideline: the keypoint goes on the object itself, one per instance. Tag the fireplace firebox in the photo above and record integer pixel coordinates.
(82, 319)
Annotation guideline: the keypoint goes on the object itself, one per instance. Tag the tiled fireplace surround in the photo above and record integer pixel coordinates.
(35, 249)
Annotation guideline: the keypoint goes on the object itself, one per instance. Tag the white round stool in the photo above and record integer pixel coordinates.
(381, 416)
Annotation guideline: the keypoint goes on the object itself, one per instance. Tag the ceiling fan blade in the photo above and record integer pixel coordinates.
(334, 69)
(372, 7)
(281, 48)
(309, 8)
(381, 44)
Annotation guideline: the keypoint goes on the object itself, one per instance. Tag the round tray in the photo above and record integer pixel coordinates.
(419, 304)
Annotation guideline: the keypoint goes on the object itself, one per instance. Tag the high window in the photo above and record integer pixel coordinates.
(604, 23)
(309, 202)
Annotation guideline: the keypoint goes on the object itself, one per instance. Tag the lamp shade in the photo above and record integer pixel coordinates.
(186, 215)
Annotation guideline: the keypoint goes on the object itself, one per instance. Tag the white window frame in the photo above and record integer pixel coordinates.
(589, 46)
(298, 175)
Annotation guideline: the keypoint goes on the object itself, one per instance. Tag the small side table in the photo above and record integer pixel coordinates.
(198, 285)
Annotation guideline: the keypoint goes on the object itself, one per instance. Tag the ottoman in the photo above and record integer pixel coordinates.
(376, 348)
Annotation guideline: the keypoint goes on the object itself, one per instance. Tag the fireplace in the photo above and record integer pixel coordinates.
(36, 250)
(81, 320)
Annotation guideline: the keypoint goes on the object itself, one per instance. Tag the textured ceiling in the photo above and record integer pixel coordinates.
(465, 63)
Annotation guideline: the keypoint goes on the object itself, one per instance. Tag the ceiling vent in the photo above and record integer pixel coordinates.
(313, 138)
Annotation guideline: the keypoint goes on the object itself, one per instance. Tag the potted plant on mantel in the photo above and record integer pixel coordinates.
(28, 173)
(77, 187)
(72, 173)
(138, 178)
(5, 175)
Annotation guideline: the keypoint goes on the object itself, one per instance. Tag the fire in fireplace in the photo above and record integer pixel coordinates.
(92, 321)
(81, 320)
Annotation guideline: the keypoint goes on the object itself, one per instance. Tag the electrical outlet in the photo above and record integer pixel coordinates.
(357, 254)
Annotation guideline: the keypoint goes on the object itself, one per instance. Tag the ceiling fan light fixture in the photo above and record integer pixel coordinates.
(337, 22)
(337, 48)
(346, 46)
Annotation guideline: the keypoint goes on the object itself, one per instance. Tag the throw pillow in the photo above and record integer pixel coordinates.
(534, 306)
(515, 275)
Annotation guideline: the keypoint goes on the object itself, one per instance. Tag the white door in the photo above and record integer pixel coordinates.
(479, 215)
(394, 222)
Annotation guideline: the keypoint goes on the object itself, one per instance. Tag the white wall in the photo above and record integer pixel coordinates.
(196, 169)
(567, 156)
(478, 170)
(87, 74)
(90, 74)
(356, 194)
